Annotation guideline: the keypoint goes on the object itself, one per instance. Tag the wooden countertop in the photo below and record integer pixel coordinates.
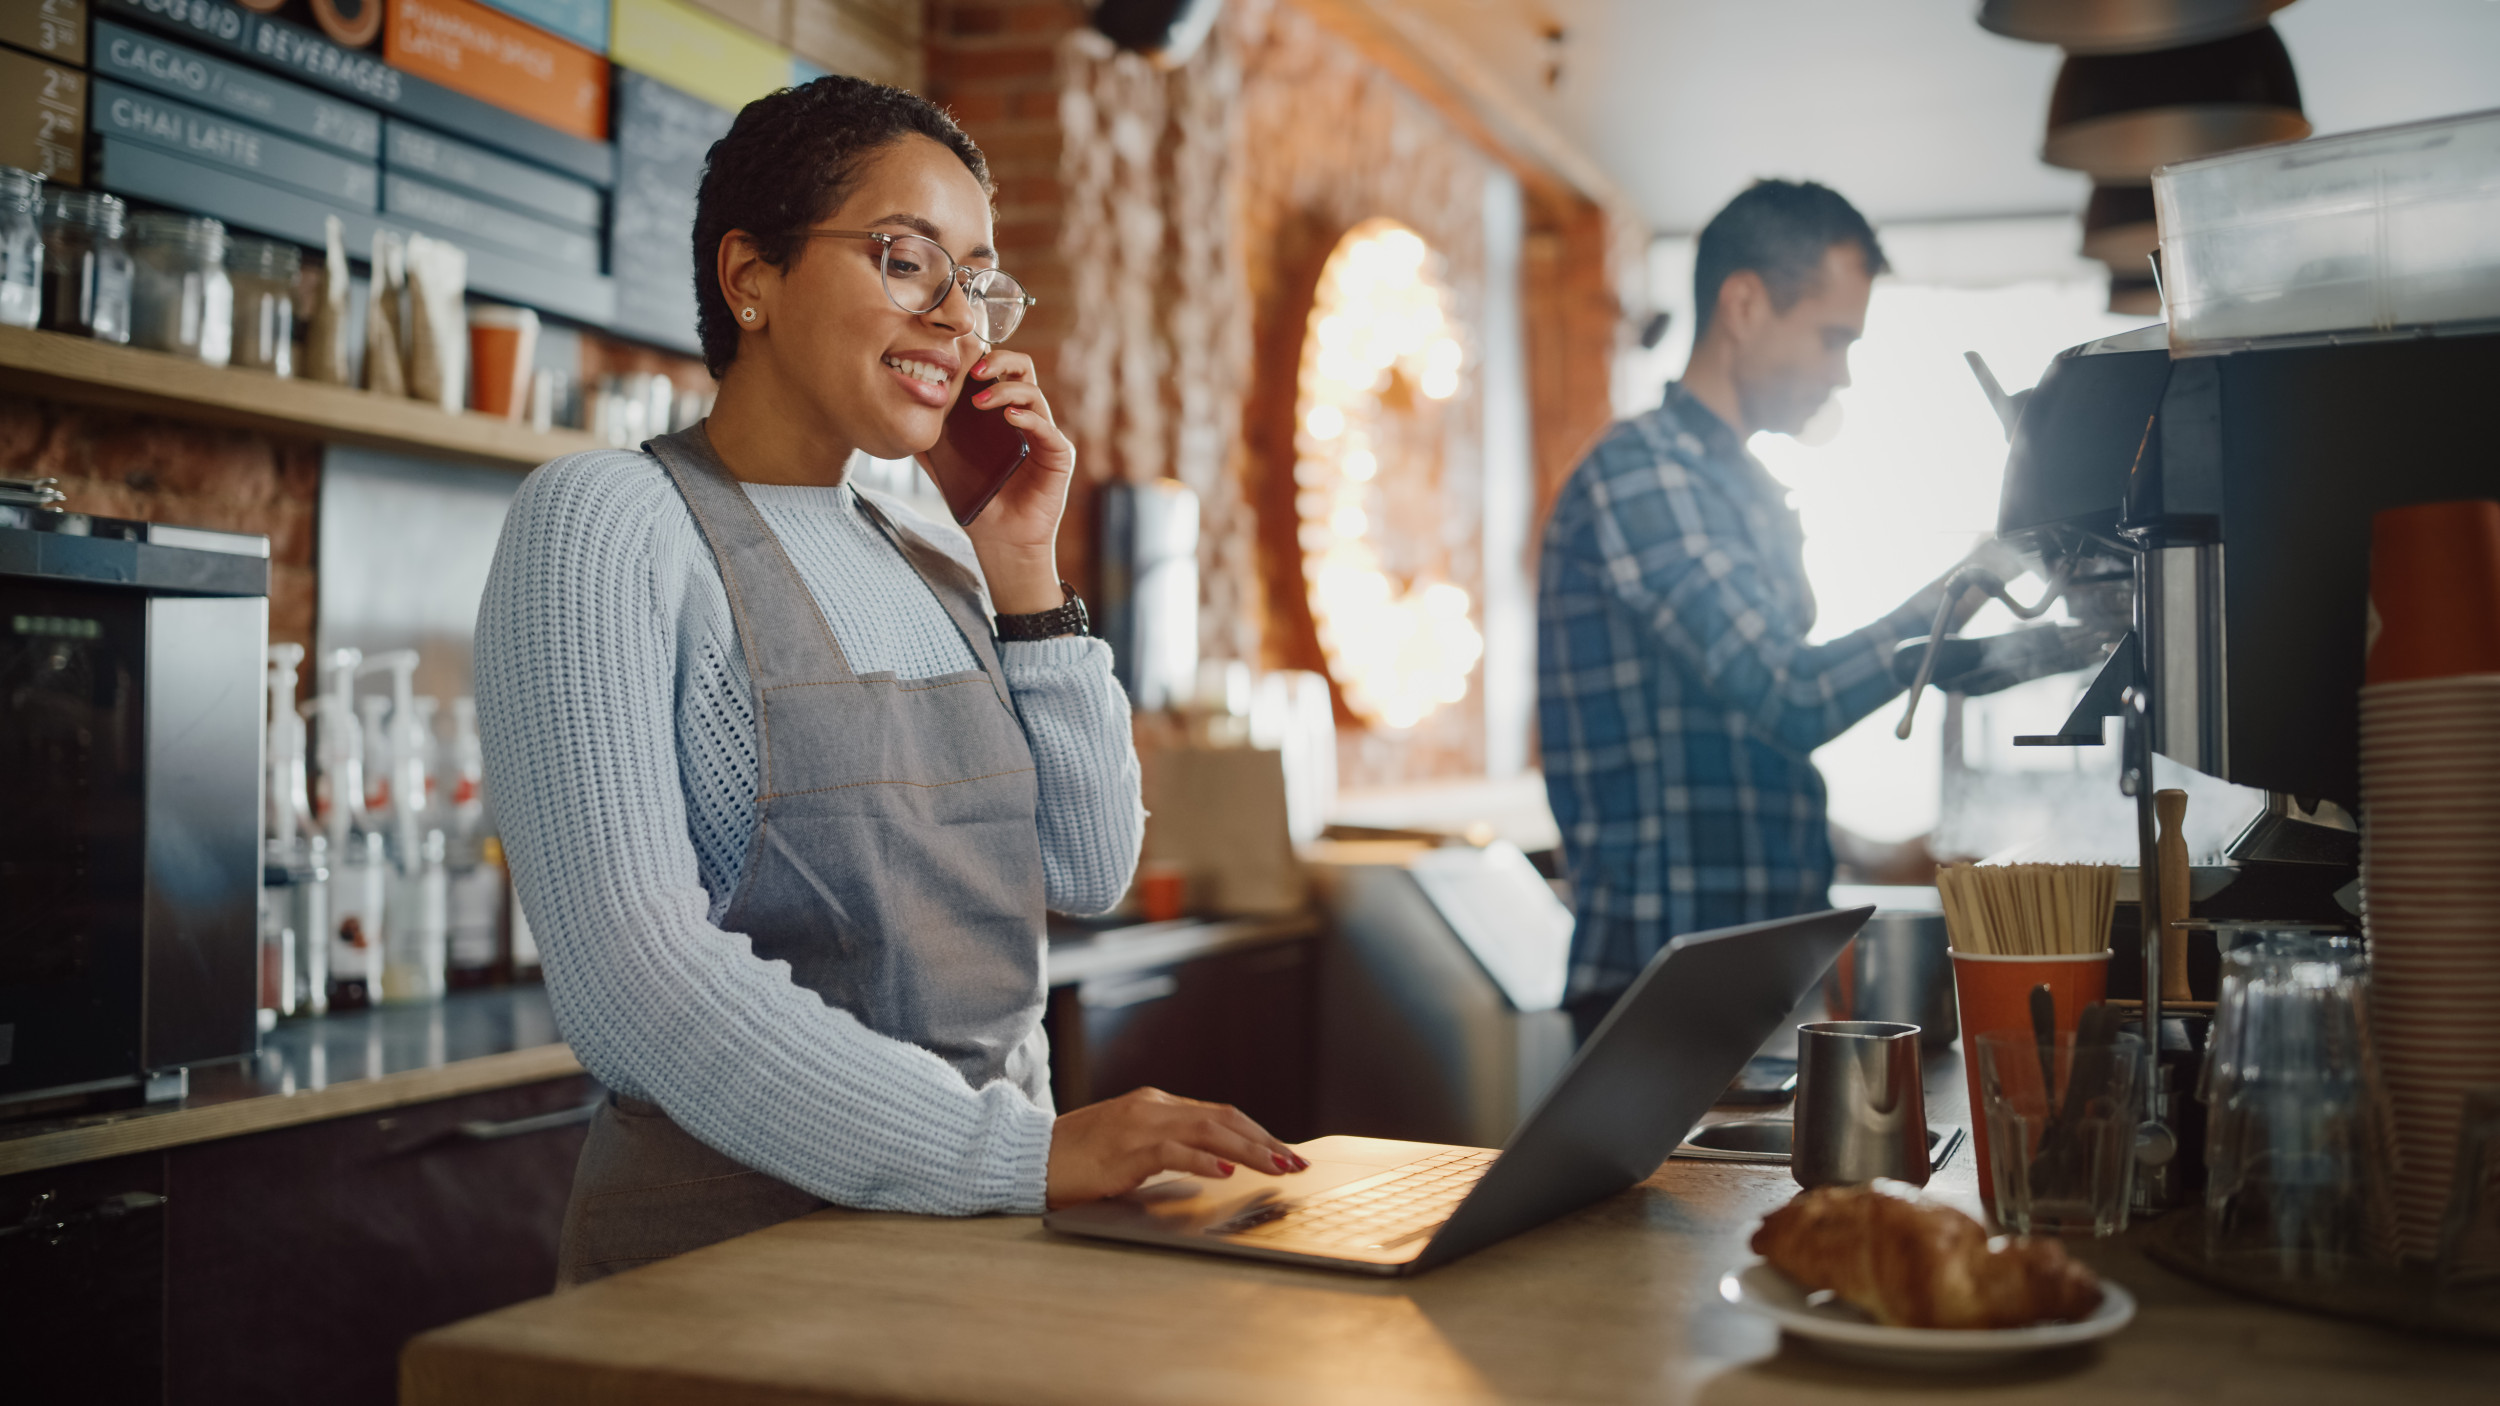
(336, 1066)
(1617, 1302)
(1081, 954)
(330, 1067)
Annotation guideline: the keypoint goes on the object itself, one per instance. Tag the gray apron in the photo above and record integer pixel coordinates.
(896, 865)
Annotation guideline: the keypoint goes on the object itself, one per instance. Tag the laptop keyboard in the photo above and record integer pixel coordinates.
(1379, 1212)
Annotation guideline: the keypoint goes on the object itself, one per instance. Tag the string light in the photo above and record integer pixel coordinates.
(1398, 649)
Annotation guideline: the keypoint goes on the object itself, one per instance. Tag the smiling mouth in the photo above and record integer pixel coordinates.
(922, 371)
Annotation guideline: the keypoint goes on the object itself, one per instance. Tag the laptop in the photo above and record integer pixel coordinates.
(1662, 1056)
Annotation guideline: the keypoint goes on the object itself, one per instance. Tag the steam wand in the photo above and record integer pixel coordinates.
(1971, 577)
(2155, 1143)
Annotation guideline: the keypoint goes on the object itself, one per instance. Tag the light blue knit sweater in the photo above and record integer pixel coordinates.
(621, 757)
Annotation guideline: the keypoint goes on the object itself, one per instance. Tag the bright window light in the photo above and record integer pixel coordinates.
(1905, 485)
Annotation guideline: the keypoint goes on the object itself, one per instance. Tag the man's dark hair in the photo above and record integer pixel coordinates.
(788, 160)
(1780, 230)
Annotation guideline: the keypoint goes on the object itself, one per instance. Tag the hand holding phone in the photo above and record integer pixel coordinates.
(975, 455)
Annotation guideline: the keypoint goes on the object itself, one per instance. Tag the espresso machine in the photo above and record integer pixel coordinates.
(130, 759)
(2227, 498)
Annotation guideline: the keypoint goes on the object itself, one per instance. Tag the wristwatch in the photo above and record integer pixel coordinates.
(1066, 618)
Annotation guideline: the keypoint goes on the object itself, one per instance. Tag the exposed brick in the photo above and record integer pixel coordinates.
(1039, 102)
(1034, 144)
(1042, 189)
(971, 108)
(1023, 62)
(963, 21)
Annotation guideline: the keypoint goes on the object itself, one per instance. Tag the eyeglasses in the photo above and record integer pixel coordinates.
(918, 275)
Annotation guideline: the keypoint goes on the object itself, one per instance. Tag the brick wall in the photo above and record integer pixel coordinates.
(1177, 221)
(114, 464)
(995, 65)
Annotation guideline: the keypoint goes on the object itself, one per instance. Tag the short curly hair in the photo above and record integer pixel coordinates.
(788, 160)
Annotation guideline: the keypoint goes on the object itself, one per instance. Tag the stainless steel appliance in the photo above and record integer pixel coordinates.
(130, 757)
(2230, 495)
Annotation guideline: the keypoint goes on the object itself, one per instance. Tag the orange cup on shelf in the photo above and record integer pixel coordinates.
(1993, 994)
(1162, 891)
(503, 350)
(2434, 591)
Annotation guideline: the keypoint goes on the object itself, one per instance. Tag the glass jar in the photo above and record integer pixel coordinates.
(182, 302)
(86, 266)
(263, 273)
(21, 248)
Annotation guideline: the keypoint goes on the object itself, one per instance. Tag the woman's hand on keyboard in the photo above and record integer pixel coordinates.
(1106, 1148)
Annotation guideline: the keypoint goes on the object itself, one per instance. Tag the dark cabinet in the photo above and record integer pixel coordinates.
(82, 1283)
(298, 1262)
(1234, 1027)
(286, 1266)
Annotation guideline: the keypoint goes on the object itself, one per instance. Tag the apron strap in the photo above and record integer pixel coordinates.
(956, 588)
(782, 633)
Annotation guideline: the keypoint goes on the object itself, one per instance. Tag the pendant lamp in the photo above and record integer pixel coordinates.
(2134, 297)
(1165, 31)
(2119, 229)
(2119, 116)
(2123, 26)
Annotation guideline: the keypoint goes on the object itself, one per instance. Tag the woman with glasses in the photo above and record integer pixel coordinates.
(788, 775)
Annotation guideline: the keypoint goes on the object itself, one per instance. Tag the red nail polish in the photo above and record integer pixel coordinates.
(1223, 1169)
(981, 367)
(1281, 1164)
(1301, 1165)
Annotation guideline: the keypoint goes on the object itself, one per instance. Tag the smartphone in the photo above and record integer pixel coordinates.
(975, 455)
(1768, 1082)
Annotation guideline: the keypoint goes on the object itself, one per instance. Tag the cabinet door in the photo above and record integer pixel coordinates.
(82, 1283)
(298, 1262)
(1234, 1028)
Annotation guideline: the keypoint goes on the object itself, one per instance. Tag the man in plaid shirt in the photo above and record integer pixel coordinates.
(1678, 700)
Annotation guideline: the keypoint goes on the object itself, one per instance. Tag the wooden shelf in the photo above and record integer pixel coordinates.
(86, 372)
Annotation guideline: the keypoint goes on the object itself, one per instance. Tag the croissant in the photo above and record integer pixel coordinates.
(1914, 1263)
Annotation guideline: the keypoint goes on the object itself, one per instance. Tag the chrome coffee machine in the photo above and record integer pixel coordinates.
(130, 758)
(2232, 495)
(2228, 498)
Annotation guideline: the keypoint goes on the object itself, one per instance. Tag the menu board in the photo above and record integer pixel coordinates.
(662, 138)
(49, 29)
(152, 174)
(481, 172)
(204, 136)
(482, 223)
(491, 56)
(308, 57)
(233, 90)
(43, 117)
(585, 22)
(696, 52)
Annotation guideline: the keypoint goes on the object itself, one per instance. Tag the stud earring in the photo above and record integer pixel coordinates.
(747, 316)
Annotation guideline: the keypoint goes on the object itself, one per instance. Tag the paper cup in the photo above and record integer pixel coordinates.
(1993, 994)
(503, 345)
(2434, 591)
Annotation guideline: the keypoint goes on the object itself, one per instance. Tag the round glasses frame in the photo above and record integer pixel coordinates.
(996, 312)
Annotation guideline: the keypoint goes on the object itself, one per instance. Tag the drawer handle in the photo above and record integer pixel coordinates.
(484, 1130)
(47, 1223)
(1099, 995)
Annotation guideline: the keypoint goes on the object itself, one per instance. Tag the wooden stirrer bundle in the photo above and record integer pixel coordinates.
(2028, 910)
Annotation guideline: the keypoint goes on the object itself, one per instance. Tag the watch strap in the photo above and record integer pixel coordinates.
(1069, 617)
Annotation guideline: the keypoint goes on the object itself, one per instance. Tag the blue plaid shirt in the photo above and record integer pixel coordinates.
(1677, 697)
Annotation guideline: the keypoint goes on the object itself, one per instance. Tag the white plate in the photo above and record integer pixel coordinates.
(1841, 1331)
